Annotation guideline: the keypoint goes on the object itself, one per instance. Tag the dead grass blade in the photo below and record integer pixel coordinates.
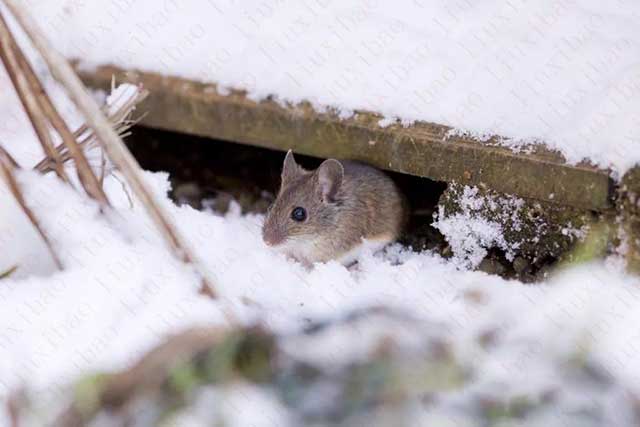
(12, 63)
(109, 140)
(34, 91)
(9, 272)
(7, 170)
(9, 158)
(120, 116)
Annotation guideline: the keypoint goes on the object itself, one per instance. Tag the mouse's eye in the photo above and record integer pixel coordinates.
(298, 214)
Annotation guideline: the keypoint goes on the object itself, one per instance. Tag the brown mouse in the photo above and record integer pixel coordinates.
(325, 214)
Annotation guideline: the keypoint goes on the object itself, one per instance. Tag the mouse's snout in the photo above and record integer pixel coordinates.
(274, 231)
(271, 236)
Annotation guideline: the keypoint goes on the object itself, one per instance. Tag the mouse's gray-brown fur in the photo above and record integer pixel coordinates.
(344, 202)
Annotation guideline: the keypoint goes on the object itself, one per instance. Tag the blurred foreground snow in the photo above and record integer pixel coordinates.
(122, 293)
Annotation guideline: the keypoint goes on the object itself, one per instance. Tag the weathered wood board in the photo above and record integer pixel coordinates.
(423, 149)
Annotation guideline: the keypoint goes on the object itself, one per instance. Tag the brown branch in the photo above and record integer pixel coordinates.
(8, 272)
(11, 160)
(36, 91)
(13, 410)
(7, 170)
(120, 119)
(109, 140)
(10, 58)
(86, 176)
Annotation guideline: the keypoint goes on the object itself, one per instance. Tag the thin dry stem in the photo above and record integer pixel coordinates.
(11, 160)
(9, 272)
(36, 91)
(120, 119)
(11, 59)
(7, 170)
(109, 140)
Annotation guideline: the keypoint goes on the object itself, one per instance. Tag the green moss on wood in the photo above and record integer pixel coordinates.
(532, 228)
(629, 214)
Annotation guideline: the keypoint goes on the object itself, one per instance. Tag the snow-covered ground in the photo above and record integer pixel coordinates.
(121, 291)
(560, 71)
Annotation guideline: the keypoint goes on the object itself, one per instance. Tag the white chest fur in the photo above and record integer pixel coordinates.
(309, 251)
(367, 245)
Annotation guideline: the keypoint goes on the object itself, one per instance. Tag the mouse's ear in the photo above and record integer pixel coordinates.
(330, 174)
(289, 168)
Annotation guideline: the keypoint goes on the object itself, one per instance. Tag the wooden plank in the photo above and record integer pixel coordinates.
(423, 149)
(629, 218)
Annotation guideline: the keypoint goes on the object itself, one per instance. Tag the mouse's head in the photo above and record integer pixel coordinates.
(307, 205)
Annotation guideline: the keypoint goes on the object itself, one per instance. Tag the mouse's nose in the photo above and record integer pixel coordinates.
(271, 238)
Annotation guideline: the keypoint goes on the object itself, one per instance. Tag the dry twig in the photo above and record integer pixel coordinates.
(120, 119)
(108, 138)
(9, 272)
(12, 63)
(7, 170)
(33, 94)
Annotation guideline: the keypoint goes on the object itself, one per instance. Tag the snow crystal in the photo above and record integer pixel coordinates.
(477, 221)
(383, 123)
(469, 237)
(120, 96)
(561, 72)
(469, 233)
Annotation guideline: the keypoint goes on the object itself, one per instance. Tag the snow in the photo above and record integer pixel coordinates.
(561, 72)
(471, 234)
(241, 405)
(479, 220)
(121, 291)
(470, 237)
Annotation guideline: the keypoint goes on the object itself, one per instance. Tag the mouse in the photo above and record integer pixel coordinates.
(333, 212)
